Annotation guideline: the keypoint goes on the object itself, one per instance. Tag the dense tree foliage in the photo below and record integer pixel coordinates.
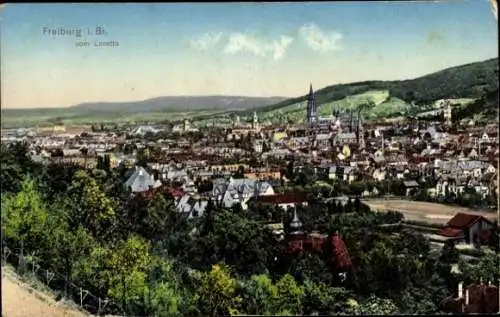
(464, 81)
(151, 260)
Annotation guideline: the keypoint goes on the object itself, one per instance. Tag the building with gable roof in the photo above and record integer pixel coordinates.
(141, 181)
(234, 191)
(467, 228)
(298, 240)
(192, 206)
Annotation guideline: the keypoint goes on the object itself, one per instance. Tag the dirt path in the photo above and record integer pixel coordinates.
(425, 211)
(18, 301)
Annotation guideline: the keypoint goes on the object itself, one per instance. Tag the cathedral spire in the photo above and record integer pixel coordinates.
(255, 121)
(311, 106)
(296, 224)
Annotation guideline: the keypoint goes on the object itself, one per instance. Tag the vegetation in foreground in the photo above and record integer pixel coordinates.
(149, 259)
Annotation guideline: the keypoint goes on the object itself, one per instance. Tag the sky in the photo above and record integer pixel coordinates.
(244, 49)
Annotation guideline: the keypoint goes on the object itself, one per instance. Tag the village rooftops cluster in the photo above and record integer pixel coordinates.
(341, 147)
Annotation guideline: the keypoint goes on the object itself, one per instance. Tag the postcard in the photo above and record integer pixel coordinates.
(215, 159)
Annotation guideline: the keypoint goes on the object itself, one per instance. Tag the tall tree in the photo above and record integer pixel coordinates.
(129, 262)
(160, 219)
(91, 208)
(325, 300)
(24, 216)
(290, 295)
(15, 165)
(218, 292)
(164, 297)
(485, 269)
(56, 178)
(68, 247)
(260, 296)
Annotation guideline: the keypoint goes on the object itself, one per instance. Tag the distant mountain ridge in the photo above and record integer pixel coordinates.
(168, 103)
(180, 103)
(477, 80)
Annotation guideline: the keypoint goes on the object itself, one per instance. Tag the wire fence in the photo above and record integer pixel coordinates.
(37, 277)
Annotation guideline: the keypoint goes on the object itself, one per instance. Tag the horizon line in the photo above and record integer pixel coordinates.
(230, 95)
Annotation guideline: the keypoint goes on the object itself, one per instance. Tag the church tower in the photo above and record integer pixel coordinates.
(361, 131)
(311, 107)
(447, 113)
(351, 125)
(296, 235)
(186, 125)
(359, 128)
(296, 224)
(255, 121)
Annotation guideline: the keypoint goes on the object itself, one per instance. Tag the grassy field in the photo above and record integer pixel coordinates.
(354, 101)
(425, 212)
(384, 107)
(457, 101)
(47, 118)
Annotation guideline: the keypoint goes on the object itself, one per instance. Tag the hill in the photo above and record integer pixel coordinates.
(184, 103)
(146, 110)
(179, 103)
(471, 81)
(473, 87)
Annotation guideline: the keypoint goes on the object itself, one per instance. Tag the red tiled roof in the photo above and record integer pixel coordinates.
(174, 192)
(290, 198)
(316, 241)
(149, 193)
(295, 245)
(463, 220)
(318, 235)
(450, 232)
(342, 259)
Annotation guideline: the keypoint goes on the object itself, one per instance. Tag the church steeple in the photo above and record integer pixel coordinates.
(351, 128)
(359, 127)
(296, 224)
(255, 121)
(311, 106)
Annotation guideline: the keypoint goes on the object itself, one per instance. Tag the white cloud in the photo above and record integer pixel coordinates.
(281, 46)
(244, 43)
(318, 40)
(239, 42)
(206, 41)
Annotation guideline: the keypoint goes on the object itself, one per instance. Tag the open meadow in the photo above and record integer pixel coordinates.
(49, 117)
(432, 213)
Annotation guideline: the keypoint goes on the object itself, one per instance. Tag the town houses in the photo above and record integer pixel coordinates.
(255, 169)
(428, 159)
